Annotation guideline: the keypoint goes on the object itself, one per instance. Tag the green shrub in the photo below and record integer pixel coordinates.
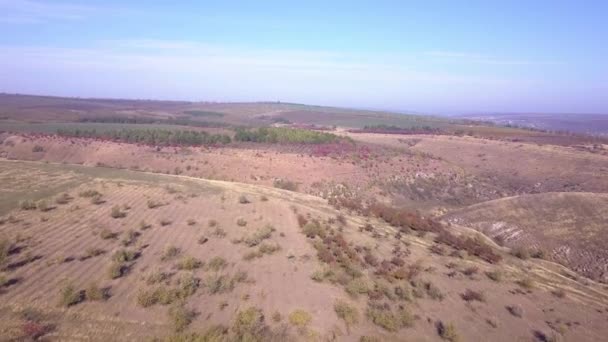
(64, 198)
(5, 248)
(527, 283)
(27, 205)
(216, 263)
(89, 193)
(155, 276)
(94, 293)
(130, 237)
(117, 270)
(470, 295)
(219, 233)
(154, 204)
(70, 296)
(43, 206)
(349, 314)
(299, 318)
(392, 320)
(495, 275)
(216, 283)
(97, 200)
(170, 252)
(521, 252)
(447, 332)
(117, 213)
(249, 325)
(357, 286)
(285, 184)
(259, 235)
(123, 255)
(107, 234)
(180, 317)
(189, 263)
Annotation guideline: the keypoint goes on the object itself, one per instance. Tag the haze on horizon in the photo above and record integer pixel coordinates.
(516, 56)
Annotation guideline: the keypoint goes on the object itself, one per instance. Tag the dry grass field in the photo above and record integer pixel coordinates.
(129, 255)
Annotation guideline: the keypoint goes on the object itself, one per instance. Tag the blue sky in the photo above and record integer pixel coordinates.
(424, 56)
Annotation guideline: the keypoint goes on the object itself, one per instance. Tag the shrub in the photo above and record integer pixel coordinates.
(357, 286)
(170, 252)
(212, 223)
(219, 233)
(447, 332)
(107, 234)
(302, 220)
(34, 330)
(383, 316)
(97, 200)
(521, 253)
(495, 275)
(130, 237)
(249, 325)
(243, 200)
(347, 313)
(165, 222)
(123, 255)
(117, 213)
(43, 205)
(37, 148)
(154, 204)
(217, 263)
(63, 199)
(559, 293)
(93, 292)
(470, 295)
(155, 276)
(191, 222)
(5, 248)
(70, 296)
(299, 318)
(241, 222)
(470, 271)
(313, 229)
(143, 225)
(527, 283)
(538, 254)
(285, 184)
(92, 252)
(89, 193)
(515, 310)
(117, 270)
(189, 263)
(27, 205)
(180, 317)
(216, 283)
(259, 235)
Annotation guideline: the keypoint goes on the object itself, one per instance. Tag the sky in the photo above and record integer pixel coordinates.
(413, 56)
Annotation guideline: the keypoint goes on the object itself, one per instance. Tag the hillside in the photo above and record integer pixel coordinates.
(569, 228)
(240, 260)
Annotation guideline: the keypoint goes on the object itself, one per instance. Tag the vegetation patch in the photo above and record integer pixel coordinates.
(282, 135)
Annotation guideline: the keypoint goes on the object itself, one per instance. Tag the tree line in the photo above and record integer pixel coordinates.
(149, 136)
